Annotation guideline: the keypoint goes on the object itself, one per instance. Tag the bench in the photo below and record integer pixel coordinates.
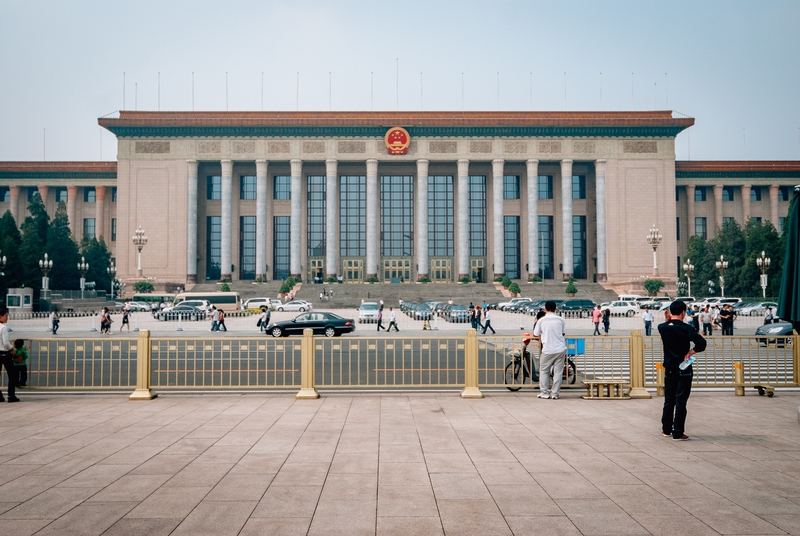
(606, 389)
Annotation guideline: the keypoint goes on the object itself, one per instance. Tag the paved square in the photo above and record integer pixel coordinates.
(401, 464)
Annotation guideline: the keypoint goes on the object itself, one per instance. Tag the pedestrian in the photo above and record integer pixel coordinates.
(126, 321)
(392, 320)
(54, 321)
(596, 316)
(551, 330)
(478, 312)
(241, 304)
(380, 319)
(487, 322)
(705, 319)
(214, 318)
(606, 320)
(380, 307)
(680, 344)
(695, 318)
(105, 321)
(647, 317)
(20, 354)
(472, 321)
(321, 296)
(450, 301)
(768, 316)
(221, 321)
(6, 359)
(726, 320)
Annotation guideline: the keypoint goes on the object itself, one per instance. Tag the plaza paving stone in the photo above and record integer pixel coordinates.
(400, 463)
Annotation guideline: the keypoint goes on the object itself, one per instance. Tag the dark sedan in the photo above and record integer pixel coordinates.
(773, 333)
(322, 323)
(182, 311)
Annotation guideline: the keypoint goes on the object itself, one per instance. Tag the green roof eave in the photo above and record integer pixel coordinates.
(55, 175)
(786, 174)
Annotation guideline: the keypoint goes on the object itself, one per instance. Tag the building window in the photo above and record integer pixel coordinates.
(5, 194)
(784, 193)
(511, 243)
(511, 187)
(353, 216)
(477, 216)
(397, 215)
(61, 195)
(677, 193)
(756, 219)
(281, 246)
(88, 228)
(114, 194)
(700, 227)
(247, 247)
(214, 187)
(755, 193)
(89, 195)
(247, 187)
(281, 187)
(545, 242)
(727, 193)
(316, 214)
(545, 187)
(727, 219)
(440, 216)
(781, 223)
(113, 229)
(579, 187)
(213, 246)
(579, 247)
(677, 228)
(700, 193)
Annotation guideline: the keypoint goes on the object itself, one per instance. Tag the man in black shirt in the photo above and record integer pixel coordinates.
(726, 319)
(677, 338)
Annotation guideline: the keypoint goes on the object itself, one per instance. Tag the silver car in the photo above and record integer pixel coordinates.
(295, 305)
(368, 312)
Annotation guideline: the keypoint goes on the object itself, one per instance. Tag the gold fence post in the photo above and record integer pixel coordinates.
(738, 378)
(637, 366)
(143, 365)
(796, 367)
(471, 389)
(659, 379)
(307, 390)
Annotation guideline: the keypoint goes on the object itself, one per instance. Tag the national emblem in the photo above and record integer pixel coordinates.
(397, 140)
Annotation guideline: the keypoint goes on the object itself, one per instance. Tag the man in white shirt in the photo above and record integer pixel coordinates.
(647, 317)
(6, 359)
(551, 330)
(392, 320)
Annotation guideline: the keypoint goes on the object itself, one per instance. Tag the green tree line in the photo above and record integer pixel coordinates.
(25, 246)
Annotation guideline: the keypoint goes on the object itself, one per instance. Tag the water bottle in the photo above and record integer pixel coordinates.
(686, 363)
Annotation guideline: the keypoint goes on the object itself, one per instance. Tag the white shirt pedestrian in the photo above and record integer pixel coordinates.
(551, 329)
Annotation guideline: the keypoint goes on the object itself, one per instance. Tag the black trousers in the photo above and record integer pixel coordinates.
(677, 388)
(11, 373)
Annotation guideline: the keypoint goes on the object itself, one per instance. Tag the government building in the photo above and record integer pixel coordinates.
(400, 196)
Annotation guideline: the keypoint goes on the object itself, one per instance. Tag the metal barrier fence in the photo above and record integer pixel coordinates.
(306, 362)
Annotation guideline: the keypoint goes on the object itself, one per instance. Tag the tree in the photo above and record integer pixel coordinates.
(99, 258)
(30, 253)
(571, 288)
(652, 286)
(730, 243)
(10, 240)
(513, 288)
(698, 254)
(143, 287)
(39, 214)
(761, 237)
(63, 250)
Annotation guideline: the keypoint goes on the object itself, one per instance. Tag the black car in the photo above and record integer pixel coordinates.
(774, 332)
(322, 323)
(583, 307)
(182, 311)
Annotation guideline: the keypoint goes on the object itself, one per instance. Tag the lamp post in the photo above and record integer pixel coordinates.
(722, 265)
(681, 288)
(763, 263)
(112, 271)
(654, 238)
(139, 240)
(83, 267)
(45, 265)
(688, 269)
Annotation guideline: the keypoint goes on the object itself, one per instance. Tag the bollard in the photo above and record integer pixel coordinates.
(659, 379)
(738, 378)
(93, 326)
(179, 322)
(135, 321)
(143, 364)
(471, 389)
(307, 390)
(637, 366)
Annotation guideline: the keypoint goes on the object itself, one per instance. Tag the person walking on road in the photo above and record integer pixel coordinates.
(706, 319)
(487, 322)
(54, 321)
(214, 318)
(596, 316)
(768, 316)
(126, 321)
(221, 321)
(647, 318)
(606, 321)
(680, 343)
(6, 358)
(551, 330)
(380, 320)
(392, 320)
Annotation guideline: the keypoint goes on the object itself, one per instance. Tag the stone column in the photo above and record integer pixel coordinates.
(600, 187)
(261, 219)
(690, 210)
(773, 205)
(331, 218)
(462, 209)
(14, 204)
(745, 203)
(72, 209)
(421, 231)
(43, 193)
(533, 217)
(718, 206)
(100, 211)
(373, 223)
(191, 221)
(498, 222)
(296, 223)
(226, 213)
(566, 219)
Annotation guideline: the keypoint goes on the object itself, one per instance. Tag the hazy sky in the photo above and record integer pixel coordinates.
(732, 65)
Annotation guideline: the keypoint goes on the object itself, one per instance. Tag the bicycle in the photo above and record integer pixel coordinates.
(520, 370)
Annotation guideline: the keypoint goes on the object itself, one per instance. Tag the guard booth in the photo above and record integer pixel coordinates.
(19, 300)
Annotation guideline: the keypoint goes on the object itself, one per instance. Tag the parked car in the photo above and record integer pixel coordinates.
(756, 309)
(513, 301)
(584, 307)
(419, 311)
(457, 313)
(182, 311)
(258, 303)
(368, 312)
(295, 305)
(324, 323)
(620, 308)
(773, 333)
(138, 306)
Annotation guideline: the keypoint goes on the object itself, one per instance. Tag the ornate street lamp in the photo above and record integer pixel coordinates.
(45, 265)
(654, 238)
(83, 267)
(711, 286)
(722, 265)
(688, 269)
(763, 263)
(139, 240)
(681, 288)
(112, 271)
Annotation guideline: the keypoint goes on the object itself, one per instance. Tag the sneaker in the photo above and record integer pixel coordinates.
(554, 397)
(666, 434)
(13, 399)
(684, 437)
(542, 395)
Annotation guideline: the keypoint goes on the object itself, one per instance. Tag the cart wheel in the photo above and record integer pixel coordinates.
(760, 391)
(771, 394)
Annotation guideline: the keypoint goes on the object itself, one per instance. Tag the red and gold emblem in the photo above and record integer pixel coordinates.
(397, 140)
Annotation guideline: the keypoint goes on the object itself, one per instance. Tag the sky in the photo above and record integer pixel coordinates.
(732, 65)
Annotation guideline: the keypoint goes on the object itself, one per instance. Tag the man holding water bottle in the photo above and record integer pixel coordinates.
(677, 338)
